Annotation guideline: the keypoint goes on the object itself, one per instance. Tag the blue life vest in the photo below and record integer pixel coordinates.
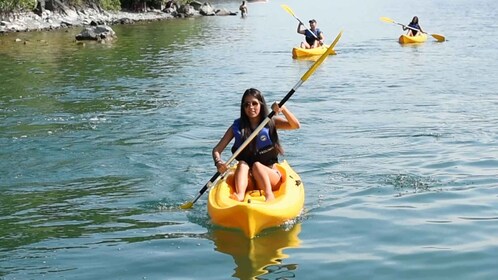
(416, 26)
(310, 39)
(266, 153)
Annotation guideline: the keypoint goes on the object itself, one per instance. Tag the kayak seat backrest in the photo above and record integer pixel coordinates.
(283, 172)
(231, 180)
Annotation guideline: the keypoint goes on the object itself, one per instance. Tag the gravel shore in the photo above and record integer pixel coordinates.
(30, 21)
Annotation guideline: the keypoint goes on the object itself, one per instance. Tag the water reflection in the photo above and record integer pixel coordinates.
(261, 257)
(72, 209)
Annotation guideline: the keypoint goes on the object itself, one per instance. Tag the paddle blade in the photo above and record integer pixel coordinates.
(322, 58)
(438, 37)
(287, 9)
(187, 205)
(386, 19)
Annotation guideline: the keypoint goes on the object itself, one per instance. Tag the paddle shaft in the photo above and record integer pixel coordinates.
(266, 120)
(409, 27)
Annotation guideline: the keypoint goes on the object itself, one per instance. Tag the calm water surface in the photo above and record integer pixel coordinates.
(100, 144)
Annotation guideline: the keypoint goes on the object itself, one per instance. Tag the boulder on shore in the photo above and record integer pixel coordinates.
(97, 33)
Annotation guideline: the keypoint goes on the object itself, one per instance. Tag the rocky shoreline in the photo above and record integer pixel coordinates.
(72, 17)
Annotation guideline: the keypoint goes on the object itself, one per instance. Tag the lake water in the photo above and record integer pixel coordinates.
(101, 144)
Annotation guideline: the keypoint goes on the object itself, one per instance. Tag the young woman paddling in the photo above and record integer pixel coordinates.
(413, 24)
(256, 163)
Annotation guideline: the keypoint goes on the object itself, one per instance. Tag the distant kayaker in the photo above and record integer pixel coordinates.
(243, 9)
(256, 163)
(413, 24)
(314, 36)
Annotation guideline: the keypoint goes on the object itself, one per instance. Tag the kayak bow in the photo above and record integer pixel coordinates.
(254, 214)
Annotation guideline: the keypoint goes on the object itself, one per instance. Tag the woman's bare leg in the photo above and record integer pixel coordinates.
(266, 179)
(241, 180)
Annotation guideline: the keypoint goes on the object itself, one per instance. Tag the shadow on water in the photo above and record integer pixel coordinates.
(261, 257)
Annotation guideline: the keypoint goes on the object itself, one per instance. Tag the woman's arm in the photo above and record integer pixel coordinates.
(289, 122)
(218, 149)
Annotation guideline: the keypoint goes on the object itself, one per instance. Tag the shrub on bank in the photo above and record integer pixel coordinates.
(7, 6)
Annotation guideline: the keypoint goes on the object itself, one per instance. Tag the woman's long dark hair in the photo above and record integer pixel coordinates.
(245, 125)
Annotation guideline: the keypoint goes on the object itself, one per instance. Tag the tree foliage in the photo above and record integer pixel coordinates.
(112, 5)
(17, 5)
(8, 6)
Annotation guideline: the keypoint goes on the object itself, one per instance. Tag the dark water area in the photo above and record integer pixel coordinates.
(101, 144)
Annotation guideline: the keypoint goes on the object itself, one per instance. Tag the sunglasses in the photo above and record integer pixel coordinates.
(251, 103)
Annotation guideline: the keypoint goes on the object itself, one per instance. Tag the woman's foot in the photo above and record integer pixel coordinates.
(234, 196)
(269, 197)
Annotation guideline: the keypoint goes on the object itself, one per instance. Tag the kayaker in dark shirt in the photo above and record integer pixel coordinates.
(314, 38)
(413, 24)
(256, 163)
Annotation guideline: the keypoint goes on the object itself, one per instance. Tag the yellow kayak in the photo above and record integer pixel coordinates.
(254, 214)
(300, 52)
(420, 38)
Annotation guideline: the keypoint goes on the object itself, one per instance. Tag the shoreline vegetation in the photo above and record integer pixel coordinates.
(42, 15)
